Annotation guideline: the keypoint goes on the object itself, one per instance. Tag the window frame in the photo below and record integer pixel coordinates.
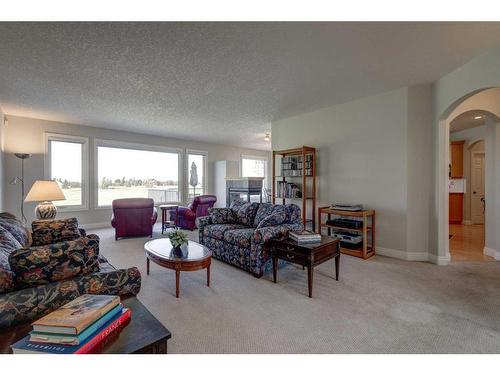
(84, 141)
(141, 147)
(205, 170)
(266, 166)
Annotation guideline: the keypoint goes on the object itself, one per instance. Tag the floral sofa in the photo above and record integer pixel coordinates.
(237, 235)
(42, 269)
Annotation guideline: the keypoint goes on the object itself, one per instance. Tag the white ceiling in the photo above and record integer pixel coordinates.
(218, 82)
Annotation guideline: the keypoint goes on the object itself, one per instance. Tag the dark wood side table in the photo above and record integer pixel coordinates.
(306, 255)
(144, 334)
(165, 223)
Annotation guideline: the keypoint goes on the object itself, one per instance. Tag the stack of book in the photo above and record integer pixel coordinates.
(78, 327)
(305, 236)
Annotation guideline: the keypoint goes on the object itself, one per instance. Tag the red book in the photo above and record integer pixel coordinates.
(116, 324)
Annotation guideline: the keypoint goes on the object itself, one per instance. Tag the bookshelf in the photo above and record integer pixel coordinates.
(296, 182)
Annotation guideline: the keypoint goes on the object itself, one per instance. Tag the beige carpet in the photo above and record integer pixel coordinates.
(381, 305)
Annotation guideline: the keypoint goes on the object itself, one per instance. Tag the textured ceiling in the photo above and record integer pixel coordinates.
(218, 82)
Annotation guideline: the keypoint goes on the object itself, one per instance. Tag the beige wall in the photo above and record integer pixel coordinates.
(365, 149)
(481, 73)
(27, 135)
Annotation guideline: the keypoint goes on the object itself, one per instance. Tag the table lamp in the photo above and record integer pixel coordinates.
(45, 192)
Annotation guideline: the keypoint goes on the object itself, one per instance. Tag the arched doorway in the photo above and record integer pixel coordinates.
(485, 102)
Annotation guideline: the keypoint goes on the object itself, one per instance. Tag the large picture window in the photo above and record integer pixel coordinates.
(136, 171)
(196, 173)
(66, 163)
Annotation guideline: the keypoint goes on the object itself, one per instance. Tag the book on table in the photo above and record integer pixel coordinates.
(66, 339)
(90, 345)
(305, 236)
(74, 317)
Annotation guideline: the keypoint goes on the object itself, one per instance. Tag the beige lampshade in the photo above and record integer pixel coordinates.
(45, 191)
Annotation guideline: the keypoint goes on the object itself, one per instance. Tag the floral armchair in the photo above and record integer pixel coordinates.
(50, 266)
(237, 235)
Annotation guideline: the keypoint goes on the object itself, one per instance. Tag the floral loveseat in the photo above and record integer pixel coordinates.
(44, 269)
(237, 235)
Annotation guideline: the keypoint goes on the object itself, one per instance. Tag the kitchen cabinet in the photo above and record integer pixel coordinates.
(457, 159)
(456, 208)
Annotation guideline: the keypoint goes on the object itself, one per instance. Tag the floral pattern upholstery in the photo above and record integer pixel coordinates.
(239, 237)
(244, 246)
(26, 305)
(16, 228)
(276, 217)
(50, 231)
(20, 305)
(244, 212)
(55, 262)
(217, 230)
(222, 215)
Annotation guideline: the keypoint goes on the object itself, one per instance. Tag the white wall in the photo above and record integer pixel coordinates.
(27, 135)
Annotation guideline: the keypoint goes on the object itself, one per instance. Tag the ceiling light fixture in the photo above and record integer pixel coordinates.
(267, 138)
(478, 117)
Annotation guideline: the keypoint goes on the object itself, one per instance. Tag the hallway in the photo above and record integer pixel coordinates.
(467, 243)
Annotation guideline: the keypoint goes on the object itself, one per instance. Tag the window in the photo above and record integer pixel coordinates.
(196, 176)
(136, 171)
(66, 163)
(255, 166)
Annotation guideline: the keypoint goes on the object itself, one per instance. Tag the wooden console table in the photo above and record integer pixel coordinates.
(367, 230)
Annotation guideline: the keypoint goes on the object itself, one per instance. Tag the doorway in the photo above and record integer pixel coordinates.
(468, 133)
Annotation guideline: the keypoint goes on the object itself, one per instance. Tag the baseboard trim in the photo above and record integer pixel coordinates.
(96, 225)
(495, 254)
(399, 254)
(439, 260)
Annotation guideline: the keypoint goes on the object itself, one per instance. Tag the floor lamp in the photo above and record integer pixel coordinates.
(16, 180)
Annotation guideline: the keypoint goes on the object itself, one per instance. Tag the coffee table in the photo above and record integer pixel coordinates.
(195, 257)
(143, 334)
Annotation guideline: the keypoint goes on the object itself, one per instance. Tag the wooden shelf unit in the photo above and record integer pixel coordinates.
(306, 174)
(368, 229)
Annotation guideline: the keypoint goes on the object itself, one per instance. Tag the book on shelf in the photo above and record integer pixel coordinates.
(305, 236)
(66, 339)
(288, 190)
(74, 317)
(25, 346)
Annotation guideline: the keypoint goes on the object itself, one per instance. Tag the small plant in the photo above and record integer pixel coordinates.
(177, 238)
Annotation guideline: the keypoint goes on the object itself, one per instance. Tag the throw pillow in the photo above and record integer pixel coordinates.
(46, 232)
(59, 261)
(277, 217)
(17, 229)
(222, 215)
(245, 213)
(265, 209)
(6, 275)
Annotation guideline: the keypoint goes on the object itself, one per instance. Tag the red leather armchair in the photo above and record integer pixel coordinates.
(199, 207)
(133, 217)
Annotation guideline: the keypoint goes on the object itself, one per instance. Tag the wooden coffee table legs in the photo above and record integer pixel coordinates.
(177, 279)
(208, 275)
